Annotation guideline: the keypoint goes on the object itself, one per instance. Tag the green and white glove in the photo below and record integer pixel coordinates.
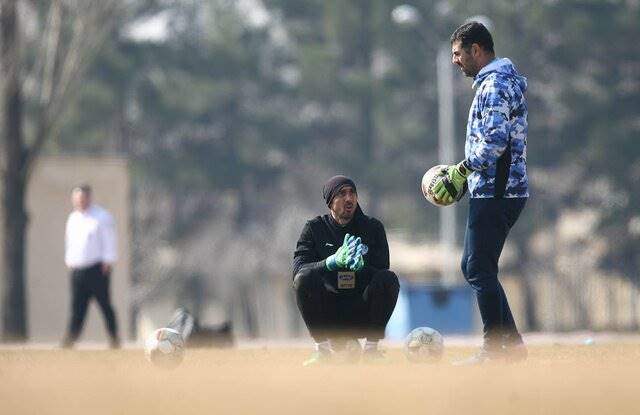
(357, 263)
(451, 187)
(356, 260)
(340, 259)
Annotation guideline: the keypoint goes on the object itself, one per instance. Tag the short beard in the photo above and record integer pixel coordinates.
(471, 73)
(347, 216)
(343, 218)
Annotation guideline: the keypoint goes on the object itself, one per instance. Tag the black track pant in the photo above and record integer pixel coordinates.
(488, 225)
(85, 284)
(356, 313)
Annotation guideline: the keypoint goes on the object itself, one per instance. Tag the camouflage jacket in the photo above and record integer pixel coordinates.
(496, 146)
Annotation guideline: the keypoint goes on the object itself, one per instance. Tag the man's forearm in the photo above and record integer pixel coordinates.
(314, 266)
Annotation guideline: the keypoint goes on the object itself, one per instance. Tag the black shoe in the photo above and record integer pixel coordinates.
(67, 343)
(114, 343)
(484, 355)
(515, 353)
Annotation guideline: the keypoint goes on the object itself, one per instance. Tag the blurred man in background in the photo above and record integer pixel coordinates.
(344, 288)
(495, 168)
(90, 252)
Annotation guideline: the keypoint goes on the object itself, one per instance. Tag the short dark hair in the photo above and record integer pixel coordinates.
(84, 188)
(473, 32)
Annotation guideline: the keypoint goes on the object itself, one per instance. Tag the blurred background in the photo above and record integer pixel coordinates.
(208, 127)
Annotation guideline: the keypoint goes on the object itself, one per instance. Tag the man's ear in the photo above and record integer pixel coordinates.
(475, 50)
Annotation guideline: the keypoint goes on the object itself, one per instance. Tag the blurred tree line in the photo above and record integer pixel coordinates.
(234, 113)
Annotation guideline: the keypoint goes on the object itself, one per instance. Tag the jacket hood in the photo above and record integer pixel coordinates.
(502, 66)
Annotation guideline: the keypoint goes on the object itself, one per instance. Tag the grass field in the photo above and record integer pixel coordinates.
(558, 379)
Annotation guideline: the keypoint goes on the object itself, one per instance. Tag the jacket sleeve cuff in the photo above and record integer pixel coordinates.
(318, 266)
(468, 165)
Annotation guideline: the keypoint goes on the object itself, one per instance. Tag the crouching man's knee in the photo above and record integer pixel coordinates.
(306, 281)
(387, 281)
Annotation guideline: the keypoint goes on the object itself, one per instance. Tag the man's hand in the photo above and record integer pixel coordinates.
(450, 187)
(340, 259)
(356, 261)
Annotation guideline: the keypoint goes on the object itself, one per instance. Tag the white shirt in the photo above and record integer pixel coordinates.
(90, 238)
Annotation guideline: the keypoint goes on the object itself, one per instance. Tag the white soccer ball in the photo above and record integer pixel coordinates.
(165, 348)
(429, 180)
(424, 345)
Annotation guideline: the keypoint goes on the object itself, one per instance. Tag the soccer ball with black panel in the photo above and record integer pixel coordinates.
(165, 348)
(424, 345)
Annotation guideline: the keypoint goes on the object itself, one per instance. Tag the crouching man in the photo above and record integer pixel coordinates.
(343, 286)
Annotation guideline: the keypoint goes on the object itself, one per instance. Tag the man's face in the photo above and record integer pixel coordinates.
(343, 206)
(466, 60)
(80, 200)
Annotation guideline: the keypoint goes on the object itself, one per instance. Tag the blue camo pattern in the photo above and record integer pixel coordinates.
(497, 116)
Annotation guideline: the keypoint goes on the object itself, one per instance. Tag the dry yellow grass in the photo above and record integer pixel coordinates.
(598, 379)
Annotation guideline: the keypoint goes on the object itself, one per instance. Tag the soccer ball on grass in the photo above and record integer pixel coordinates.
(424, 345)
(165, 348)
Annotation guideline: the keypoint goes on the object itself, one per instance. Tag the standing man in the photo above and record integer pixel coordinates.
(341, 278)
(90, 252)
(495, 168)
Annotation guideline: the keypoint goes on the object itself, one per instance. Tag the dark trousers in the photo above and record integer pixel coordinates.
(87, 283)
(488, 225)
(354, 313)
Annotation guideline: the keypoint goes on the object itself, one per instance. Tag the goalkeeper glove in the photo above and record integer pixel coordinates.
(451, 187)
(341, 258)
(356, 261)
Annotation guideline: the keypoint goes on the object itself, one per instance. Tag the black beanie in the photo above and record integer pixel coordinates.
(333, 186)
